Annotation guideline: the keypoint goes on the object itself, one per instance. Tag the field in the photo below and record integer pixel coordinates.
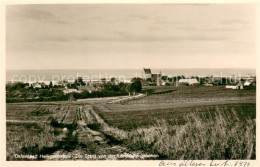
(170, 123)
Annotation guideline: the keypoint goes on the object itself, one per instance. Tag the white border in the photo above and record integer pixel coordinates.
(116, 163)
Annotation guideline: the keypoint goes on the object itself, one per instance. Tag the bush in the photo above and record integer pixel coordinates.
(94, 126)
(54, 122)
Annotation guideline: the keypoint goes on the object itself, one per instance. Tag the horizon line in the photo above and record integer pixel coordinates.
(130, 68)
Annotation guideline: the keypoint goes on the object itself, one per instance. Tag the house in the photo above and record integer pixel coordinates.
(152, 78)
(247, 83)
(189, 81)
(156, 78)
(236, 86)
(56, 83)
(36, 85)
(147, 73)
(60, 83)
(208, 84)
(86, 88)
(250, 85)
(46, 83)
(66, 91)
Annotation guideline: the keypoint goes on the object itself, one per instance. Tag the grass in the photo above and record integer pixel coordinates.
(219, 138)
(26, 138)
(220, 134)
(167, 124)
(30, 112)
(193, 92)
(174, 116)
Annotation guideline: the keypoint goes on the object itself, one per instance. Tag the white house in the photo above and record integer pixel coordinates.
(47, 83)
(189, 81)
(87, 88)
(70, 91)
(36, 85)
(208, 84)
(237, 86)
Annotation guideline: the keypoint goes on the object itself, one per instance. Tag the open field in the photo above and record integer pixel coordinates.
(71, 130)
(185, 123)
(175, 116)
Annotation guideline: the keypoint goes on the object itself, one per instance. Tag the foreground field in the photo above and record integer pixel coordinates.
(181, 124)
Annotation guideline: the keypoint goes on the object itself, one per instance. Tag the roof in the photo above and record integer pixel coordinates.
(36, 84)
(46, 82)
(147, 71)
(247, 83)
(189, 81)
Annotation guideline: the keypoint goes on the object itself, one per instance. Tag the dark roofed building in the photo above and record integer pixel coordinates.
(147, 71)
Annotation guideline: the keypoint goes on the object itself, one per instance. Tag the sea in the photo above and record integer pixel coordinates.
(121, 74)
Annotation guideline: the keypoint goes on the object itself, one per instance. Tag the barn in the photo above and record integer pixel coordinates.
(189, 81)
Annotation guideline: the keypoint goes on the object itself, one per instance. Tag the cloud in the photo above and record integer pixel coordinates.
(125, 37)
(32, 13)
(234, 22)
(138, 17)
(217, 29)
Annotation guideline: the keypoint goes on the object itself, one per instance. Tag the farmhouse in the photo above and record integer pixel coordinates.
(66, 91)
(46, 83)
(208, 84)
(237, 86)
(250, 85)
(36, 85)
(189, 81)
(87, 88)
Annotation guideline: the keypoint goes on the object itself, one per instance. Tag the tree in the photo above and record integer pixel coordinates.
(50, 86)
(136, 86)
(80, 82)
(136, 79)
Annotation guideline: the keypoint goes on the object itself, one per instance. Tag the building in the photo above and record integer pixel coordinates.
(208, 84)
(152, 78)
(250, 85)
(36, 85)
(147, 73)
(247, 83)
(87, 88)
(156, 78)
(189, 81)
(66, 91)
(236, 86)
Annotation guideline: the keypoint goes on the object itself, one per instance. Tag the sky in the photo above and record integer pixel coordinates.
(130, 36)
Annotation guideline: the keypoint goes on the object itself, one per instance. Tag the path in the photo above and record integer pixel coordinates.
(96, 143)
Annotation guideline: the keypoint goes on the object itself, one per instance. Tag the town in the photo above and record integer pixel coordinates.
(80, 88)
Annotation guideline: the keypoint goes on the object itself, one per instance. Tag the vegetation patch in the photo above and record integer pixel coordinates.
(94, 126)
(40, 112)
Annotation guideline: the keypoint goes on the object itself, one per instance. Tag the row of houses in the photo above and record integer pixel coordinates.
(80, 89)
(246, 82)
(63, 86)
(161, 80)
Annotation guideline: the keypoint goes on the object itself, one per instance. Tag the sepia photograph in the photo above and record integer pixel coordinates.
(131, 81)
